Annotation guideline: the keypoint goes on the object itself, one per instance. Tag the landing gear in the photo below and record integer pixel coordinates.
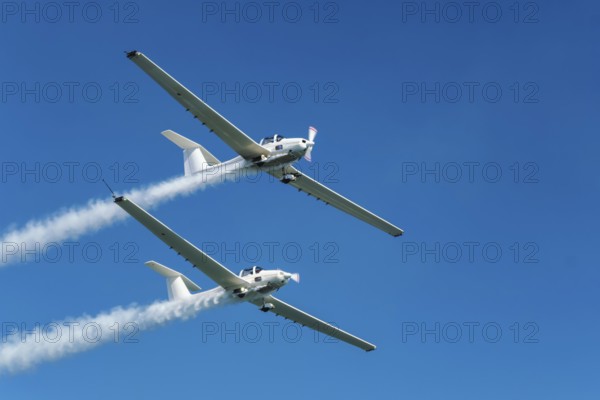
(287, 178)
(267, 307)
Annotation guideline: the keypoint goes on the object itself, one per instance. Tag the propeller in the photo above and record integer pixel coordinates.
(312, 133)
(295, 277)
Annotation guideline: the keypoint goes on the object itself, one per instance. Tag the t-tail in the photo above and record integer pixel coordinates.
(178, 285)
(195, 157)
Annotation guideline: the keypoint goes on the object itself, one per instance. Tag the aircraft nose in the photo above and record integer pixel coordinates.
(305, 145)
(283, 278)
(300, 148)
(295, 277)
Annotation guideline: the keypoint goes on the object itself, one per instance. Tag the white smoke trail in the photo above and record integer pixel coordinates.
(100, 213)
(24, 350)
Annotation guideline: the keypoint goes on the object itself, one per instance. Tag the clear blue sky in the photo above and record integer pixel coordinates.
(394, 93)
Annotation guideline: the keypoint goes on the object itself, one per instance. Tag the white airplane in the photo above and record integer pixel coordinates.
(274, 155)
(254, 284)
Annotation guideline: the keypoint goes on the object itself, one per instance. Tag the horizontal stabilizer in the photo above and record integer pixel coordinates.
(186, 144)
(195, 157)
(172, 280)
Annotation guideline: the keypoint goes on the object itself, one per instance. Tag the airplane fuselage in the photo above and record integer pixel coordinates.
(282, 153)
(262, 282)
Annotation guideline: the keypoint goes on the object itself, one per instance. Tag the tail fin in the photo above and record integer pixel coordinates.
(178, 285)
(195, 157)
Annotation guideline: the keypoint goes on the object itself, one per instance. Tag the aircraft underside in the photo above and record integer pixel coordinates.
(278, 160)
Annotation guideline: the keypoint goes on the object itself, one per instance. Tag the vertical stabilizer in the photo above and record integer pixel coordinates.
(195, 157)
(178, 285)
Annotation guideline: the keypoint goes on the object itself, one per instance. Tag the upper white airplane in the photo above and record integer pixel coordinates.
(254, 284)
(274, 155)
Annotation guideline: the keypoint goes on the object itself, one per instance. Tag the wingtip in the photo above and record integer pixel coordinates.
(132, 53)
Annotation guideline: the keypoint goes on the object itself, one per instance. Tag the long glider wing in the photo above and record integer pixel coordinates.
(306, 184)
(199, 259)
(287, 311)
(229, 133)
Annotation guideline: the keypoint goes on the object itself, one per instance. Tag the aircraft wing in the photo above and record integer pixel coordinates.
(287, 311)
(191, 253)
(306, 184)
(229, 133)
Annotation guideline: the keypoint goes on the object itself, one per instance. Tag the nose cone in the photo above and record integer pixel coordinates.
(282, 278)
(295, 277)
(301, 147)
(304, 145)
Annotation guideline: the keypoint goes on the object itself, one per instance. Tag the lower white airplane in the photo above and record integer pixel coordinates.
(274, 155)
(254, 284)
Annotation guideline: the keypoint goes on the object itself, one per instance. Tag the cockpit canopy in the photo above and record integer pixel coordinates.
(250, 271)
(272, 139)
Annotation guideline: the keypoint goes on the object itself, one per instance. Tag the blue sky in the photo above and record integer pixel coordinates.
(474, 134)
